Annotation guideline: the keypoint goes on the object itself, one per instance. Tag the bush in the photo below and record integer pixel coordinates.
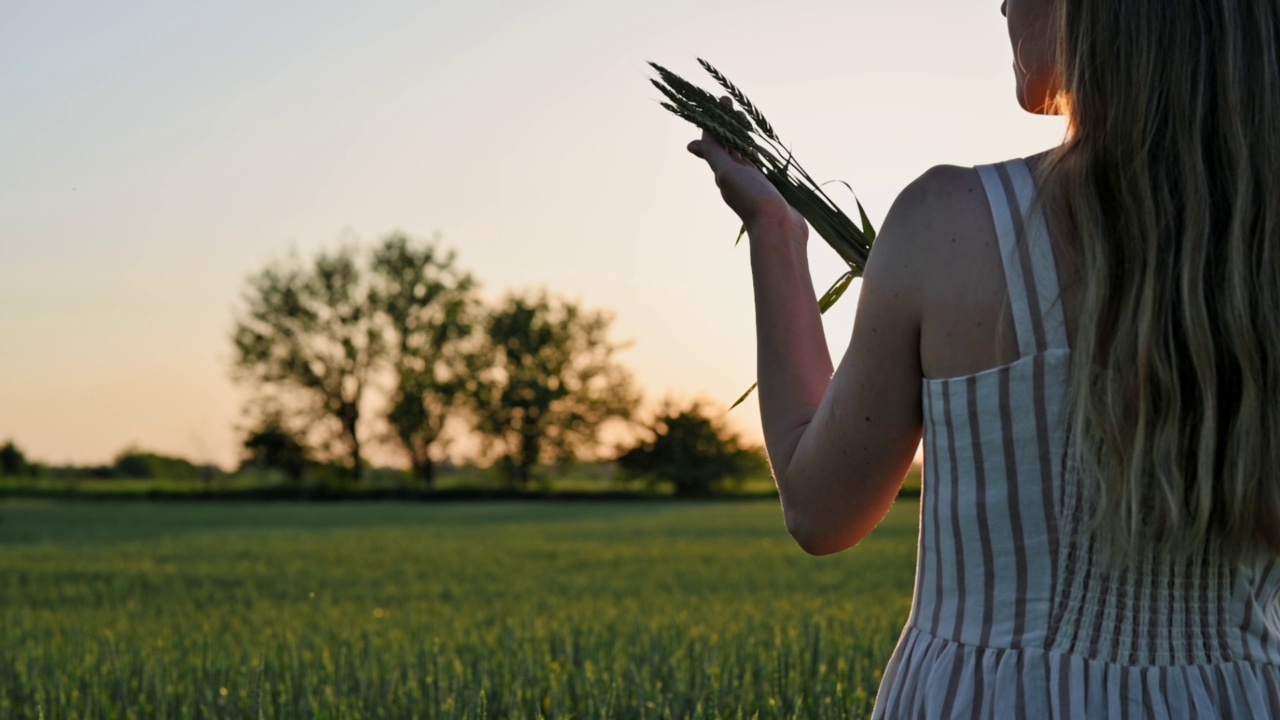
(691, 450)
(13, 463)
(134, 463)
(272, 446)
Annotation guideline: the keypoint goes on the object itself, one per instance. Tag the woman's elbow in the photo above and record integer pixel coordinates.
(813, 539)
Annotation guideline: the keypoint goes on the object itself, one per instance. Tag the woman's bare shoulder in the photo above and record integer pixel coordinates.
(942, 226)
(937, 201)
(936, 219)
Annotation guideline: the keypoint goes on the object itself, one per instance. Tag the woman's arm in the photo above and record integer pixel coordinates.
(839, 445)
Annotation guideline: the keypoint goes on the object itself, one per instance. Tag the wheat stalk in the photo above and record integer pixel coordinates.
(749, 133)
(741, 98)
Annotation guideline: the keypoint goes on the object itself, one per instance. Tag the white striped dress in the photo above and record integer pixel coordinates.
(1013, 616)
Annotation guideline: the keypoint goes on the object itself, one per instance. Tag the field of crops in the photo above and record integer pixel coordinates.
(648, 609)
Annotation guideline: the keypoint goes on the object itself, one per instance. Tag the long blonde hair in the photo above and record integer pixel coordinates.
(1169, 184)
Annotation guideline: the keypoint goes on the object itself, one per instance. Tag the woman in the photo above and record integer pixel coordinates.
(1088, 341)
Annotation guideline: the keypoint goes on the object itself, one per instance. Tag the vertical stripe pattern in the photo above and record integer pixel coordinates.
(1015, 614)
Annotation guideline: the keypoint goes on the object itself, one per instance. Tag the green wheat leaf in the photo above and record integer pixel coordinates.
(745, 395)
(830, 297)
(867, 229)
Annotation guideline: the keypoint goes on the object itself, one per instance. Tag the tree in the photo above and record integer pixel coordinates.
(691, 450)
(545, 383)
(429, 311)
(272, 446)
(311, 334)
(13, 463)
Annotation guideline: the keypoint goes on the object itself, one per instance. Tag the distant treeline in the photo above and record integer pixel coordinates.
(136, 464)
(138, 474)
(391, 345)
(130, 464)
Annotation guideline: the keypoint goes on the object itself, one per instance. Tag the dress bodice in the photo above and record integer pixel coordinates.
(1014, 612)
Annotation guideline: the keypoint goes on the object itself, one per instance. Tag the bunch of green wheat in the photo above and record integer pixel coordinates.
(747, 132)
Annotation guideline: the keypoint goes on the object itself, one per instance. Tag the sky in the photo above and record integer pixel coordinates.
(155, 154)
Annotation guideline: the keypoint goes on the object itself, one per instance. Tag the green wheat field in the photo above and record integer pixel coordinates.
(644, 609)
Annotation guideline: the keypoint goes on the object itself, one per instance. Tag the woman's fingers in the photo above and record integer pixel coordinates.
(716, 155)
(743, 186)
(720, 158)
(713, 152)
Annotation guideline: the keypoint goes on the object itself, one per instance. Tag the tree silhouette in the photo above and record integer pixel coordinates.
(311, 333)
(429, 311)
(546, 382)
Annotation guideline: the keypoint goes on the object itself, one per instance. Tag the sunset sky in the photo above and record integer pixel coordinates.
(154, 154)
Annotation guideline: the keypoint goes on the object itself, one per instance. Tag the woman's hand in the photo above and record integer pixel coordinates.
(744, 188)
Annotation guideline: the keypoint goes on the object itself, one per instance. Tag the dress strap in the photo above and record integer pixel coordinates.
(1030, 271)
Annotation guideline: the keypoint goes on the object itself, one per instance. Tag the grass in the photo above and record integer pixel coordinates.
(398, 610)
